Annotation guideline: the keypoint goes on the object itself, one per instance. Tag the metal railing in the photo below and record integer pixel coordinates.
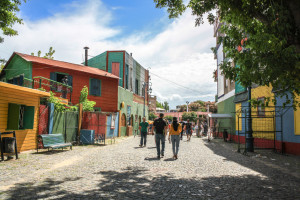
(42, 83)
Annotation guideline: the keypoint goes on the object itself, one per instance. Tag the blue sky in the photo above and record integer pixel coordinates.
(174, 49)
(129, 15)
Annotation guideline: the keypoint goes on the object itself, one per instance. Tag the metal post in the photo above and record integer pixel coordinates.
(144, 89)
(249, 136)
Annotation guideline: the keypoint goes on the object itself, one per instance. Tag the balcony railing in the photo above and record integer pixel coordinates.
(48, 85)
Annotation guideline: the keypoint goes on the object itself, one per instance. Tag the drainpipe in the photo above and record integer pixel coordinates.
(86, 56)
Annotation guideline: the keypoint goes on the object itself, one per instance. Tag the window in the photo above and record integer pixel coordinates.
(136, 86)
(20, 117)
(126, 77)
(60, 77)
(18, 80)
(95, 87)
(261, 107)
(115, 68)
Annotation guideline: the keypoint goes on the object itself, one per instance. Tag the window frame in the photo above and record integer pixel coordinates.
(261, 112)
(91, 89)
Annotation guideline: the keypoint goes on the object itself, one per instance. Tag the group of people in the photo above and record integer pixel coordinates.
(161, 128)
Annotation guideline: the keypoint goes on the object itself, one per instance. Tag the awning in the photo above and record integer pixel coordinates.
(219, 116)
(240, 97)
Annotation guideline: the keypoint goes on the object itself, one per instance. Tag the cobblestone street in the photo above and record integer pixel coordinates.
(125, 171)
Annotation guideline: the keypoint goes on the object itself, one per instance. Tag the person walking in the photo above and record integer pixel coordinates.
(182, 125)
(160, 129)
(188, 130)
(144, 130)
(174, 133)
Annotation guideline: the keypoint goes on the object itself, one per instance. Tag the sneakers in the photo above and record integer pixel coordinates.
(162, 155)
(144, 145)
(140, 145)
(158, 157)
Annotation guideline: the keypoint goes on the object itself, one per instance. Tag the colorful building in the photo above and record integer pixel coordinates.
(19, 112)
(225, 88)
(103, 86)
(133, 90)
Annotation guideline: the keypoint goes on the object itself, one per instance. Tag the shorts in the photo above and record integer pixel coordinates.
(188, 132)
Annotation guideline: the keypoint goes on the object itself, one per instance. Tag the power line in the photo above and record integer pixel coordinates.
(173, 82)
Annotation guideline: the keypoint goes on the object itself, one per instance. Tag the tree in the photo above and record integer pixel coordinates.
(268, 31)
(8, 18)
(182, 108)
(189, 115)
(152, 116)
(169, 118)
(86, 104)
(159, 105)
(194, 106)
(166, 105)
(48, 55)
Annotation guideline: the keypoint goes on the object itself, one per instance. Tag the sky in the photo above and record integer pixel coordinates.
(176, 52)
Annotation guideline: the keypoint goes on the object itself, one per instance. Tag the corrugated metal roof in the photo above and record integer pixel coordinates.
(66, 65)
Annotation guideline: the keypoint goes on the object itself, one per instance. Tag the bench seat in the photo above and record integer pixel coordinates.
(53, 141)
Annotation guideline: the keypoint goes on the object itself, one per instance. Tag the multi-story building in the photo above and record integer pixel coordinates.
(152, 103)
(225, 87)
(133, 87)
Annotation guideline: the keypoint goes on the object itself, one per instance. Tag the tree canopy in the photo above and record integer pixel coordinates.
(48, 55)
(268, 32)
(8, 17)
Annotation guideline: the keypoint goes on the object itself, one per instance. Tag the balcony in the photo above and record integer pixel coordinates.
(44, 84)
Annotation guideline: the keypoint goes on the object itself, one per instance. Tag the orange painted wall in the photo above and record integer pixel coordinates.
(109, 86)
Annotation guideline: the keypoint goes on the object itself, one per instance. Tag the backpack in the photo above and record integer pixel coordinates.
(159, 126)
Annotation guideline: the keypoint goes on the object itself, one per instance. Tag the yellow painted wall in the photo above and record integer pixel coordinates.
(26, 139)
(238, 121)
(263, 124)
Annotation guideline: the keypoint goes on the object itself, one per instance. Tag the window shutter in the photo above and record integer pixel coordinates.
(15, 81)
(28, 118)
(70, 80)
(53, 77)
(98, 87)
(13, 116)
(21, 80)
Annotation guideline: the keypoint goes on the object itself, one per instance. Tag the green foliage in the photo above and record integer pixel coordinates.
(48, 55)
(8, 17)
(194, 106)
(166, 105)
(189, 115)
(169, 118)
(58, 106)
(270, 34)
(159, 105)
(182, 108)
(152, 116)
(86, 104)
(42, 89)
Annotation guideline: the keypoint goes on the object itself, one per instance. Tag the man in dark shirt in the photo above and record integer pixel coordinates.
(188, 130)
(160, 129)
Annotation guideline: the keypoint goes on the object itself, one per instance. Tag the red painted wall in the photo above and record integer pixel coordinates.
(108, 101)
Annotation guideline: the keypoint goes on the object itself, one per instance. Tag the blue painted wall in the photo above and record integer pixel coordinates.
(112, 132)
(288, 126)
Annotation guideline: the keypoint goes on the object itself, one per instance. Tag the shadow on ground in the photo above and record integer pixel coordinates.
(136, 183)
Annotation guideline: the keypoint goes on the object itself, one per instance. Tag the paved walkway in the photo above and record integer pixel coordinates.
(124, 171)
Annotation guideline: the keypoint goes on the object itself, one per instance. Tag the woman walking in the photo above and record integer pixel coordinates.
(175, 136)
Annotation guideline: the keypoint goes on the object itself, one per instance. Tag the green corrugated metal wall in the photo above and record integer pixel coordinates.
(18, 66)
(227, 107)
(98, 61)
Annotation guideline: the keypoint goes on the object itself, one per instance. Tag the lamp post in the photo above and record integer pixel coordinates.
(144, 89)
(187, 106)
(249, 136)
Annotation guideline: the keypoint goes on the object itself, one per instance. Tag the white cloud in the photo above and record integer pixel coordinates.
(180, 53)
